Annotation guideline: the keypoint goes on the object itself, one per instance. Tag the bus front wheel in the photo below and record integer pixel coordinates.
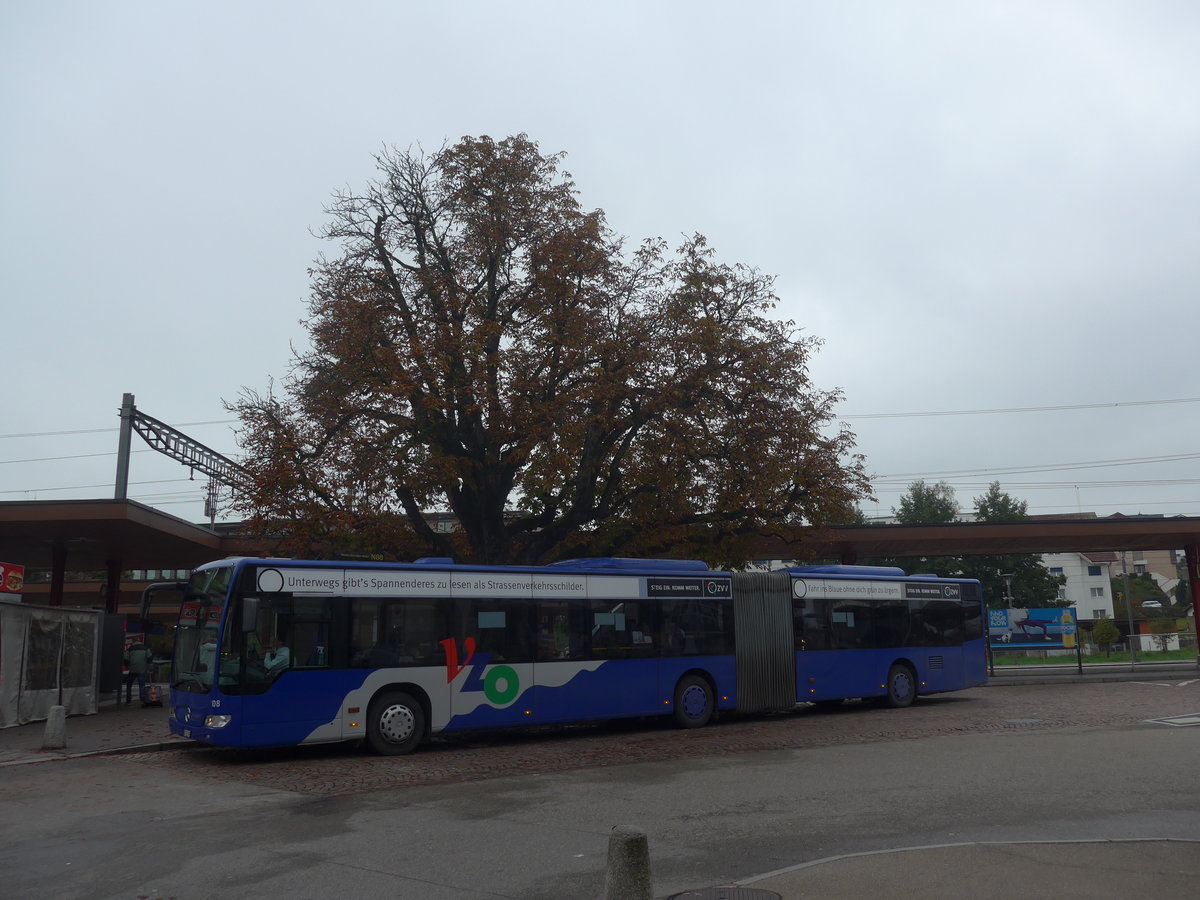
(901, 686)
(694, 702)
(395, 724)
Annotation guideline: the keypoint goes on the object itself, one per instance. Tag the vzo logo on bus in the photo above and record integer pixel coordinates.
(499, 684)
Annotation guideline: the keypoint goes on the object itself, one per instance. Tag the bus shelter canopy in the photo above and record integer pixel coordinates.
(112, 535)
(91, 535)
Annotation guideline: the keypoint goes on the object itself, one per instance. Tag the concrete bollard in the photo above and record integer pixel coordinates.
(55, 736)
(628, 873)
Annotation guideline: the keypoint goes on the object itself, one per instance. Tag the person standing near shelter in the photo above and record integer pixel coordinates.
(137, 658)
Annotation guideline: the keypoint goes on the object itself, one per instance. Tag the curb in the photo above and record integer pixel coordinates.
(1092, 675)
(841, 857)
(1021, 681)
(111, 751)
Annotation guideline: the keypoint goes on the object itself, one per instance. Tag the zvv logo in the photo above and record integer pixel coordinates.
(499, 684)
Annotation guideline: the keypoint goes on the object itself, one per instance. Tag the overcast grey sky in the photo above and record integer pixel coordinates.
(978, 206)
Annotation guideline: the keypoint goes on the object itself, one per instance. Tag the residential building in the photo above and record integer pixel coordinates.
(1088, 587)
(1161, 565)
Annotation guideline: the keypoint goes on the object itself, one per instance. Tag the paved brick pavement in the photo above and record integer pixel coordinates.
(117, 725)
(340, 769)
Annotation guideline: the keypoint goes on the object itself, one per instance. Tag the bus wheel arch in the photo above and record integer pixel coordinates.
(695, 699)
(397, 719)
(901, 686)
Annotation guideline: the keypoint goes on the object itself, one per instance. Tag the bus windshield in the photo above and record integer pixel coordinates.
(196, 636)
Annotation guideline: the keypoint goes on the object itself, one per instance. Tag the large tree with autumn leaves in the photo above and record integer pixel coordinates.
(493, 376)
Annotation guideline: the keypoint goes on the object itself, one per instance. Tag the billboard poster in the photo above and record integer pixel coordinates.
(1045, 629)
(12, 578)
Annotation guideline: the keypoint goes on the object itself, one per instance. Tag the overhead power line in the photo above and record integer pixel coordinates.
(1124, 505)
(32, 434)
(1043, 467)
(1015, 409)
(4, 462)
(902, 486)
(88, 487)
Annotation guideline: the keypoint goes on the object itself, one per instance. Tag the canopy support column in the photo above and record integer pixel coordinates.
(1192, 555)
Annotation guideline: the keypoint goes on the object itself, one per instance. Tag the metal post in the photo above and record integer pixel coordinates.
(1078, 645)
(127, 413)
(112, 585)
(210, 503)
(58, 573)
(1128, 611)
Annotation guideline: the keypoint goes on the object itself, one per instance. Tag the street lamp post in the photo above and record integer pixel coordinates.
(1008, 577)
(1128, 610)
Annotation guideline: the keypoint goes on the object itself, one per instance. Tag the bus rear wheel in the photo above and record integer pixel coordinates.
(395, 724)
(694, 702)
(901, 686)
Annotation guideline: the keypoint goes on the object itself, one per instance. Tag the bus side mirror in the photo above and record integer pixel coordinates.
(249, 614)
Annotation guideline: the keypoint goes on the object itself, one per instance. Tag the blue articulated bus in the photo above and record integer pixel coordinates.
(275, 652)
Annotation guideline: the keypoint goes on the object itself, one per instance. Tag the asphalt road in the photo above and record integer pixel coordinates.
(528, 814)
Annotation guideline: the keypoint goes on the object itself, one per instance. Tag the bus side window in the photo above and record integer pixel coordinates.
(851, 625)
(972, 614)
(413, 628)
(501, 628)
(891, 620)
(936, 623)
(810, 621)
(560, 630)
(696, 627)
(621, 629)
(307, 632)
(366, 631)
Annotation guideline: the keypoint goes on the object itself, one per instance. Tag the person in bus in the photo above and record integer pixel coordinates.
(277, 658)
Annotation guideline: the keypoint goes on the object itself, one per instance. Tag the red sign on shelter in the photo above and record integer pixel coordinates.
(12, 578)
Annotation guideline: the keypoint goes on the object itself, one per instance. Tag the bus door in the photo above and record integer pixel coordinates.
(490, 663)
(563, 666)
(614, 663)
(937, 636)
(834, 638)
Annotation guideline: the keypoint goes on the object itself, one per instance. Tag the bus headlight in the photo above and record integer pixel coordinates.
(217, 721)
